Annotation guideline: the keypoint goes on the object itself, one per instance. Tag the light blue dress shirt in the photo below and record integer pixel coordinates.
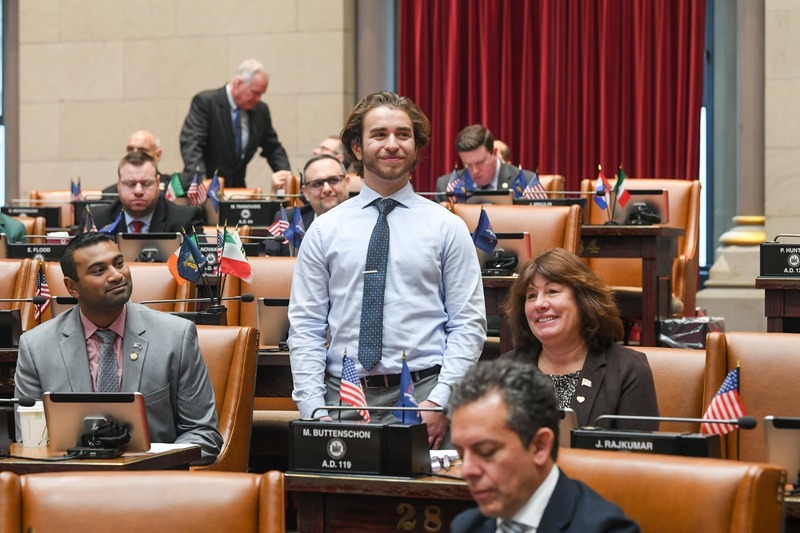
(434, 308)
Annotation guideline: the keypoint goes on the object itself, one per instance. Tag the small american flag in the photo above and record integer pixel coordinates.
(281, 225)
(351, 391)
(197, 193)
(220, 246)
(534, 190)
(725, 405)
(42, 289)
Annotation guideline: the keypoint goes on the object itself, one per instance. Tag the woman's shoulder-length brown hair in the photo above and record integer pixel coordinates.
(600, 320)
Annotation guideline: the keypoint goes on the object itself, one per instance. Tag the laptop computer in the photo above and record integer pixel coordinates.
(568, 422)
(516, 244)
(643, 204)
(69, 413)
(273, 323)
(782, 437)
(148, 247)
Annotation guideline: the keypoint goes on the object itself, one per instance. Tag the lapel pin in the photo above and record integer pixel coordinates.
(586, 382)
(137, 345)
(134, 356)
(505, 185)
(580, 399)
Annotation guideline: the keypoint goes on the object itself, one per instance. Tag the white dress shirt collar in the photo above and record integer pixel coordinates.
(533, 510)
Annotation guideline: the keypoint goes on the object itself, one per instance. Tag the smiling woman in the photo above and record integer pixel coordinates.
(565, 321)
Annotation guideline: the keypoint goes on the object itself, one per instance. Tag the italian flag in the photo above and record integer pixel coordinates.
(234, 261)
(622, 194)
(174, 188)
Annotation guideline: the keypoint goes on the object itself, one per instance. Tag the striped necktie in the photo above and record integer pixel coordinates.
(108, 369)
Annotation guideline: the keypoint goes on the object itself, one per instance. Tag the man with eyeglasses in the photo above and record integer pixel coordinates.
(324, 187)
(141, 206)
(478, 154)
(146, 141)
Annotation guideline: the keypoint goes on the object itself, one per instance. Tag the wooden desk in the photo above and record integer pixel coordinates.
(174, 459)
(656, 246)
(495, 292)
(364, 503)
(781, 303)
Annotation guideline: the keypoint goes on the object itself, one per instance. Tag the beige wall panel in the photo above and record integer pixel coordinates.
(39, 134)
(56, 174)
(110, 20)
(58, 72)
(782, 41)
(46, 15)
(782, 113)
(315, 15)
(232, 17)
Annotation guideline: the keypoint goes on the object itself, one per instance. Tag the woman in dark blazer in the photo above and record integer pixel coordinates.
(565, 321)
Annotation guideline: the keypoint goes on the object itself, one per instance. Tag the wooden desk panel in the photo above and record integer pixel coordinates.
(363, 503)
(781, 303)
(177, 459)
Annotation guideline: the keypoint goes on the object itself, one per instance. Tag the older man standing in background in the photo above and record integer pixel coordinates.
(226, 126)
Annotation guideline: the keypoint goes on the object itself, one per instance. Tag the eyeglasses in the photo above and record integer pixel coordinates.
(316, 185)
(145, 184)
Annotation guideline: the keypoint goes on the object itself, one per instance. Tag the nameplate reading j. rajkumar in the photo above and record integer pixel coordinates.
(335, 447)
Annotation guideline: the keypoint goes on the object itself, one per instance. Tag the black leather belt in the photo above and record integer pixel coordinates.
(393, 380)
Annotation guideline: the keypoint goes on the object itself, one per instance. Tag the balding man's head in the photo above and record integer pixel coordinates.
(144, 141)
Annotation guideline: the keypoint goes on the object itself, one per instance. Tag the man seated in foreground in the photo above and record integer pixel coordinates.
(108, 344)
(504, 424)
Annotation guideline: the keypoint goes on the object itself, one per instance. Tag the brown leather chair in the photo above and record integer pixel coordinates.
(10, 502)
(151, 281)
(665, 493)
(549, 227)
(61, 198)
(679, 376)
(769, 364)
(684, 212)
(241, 193)
(13, 281)
(552, 183)
(156, 501)
(230, 355)
(33, 226)
(272, 278)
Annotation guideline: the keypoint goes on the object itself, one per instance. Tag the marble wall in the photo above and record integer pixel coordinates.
(782, 117)
(93, 71)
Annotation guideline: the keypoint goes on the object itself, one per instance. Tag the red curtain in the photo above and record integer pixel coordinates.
(567, 84)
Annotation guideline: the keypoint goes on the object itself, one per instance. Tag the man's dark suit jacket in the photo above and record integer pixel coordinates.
(504, 180)
(282, 248)
(207, 139)
(167, 217)
(573, 507)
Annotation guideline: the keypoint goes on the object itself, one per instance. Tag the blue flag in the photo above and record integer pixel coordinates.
(191, 260)
(484, 237)
(518, 185)
(75, 190)
(296, 230)
(213, 192)
(600, 194)
(112, 228)
(407, 399)
(469, 183)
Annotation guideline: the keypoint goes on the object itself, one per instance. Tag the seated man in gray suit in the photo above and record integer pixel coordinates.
(141, 208)
(504, 424)
(154, 353)
(478, 154)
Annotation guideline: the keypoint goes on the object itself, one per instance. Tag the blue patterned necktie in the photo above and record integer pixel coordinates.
(108, 370)
(370, 333)
(510, 526)
(237, 132)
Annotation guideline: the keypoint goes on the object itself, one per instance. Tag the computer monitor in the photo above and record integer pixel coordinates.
(148, 247)
(783, 444)
(643, 207)
(67, 415)
(273, 323)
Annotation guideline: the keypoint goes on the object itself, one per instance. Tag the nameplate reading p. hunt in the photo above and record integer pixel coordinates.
(45, 252)
(780, 260)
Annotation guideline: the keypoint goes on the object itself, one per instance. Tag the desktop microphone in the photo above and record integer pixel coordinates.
(276, 238)
(36, 300)
(743, 422)
(373, 408)
(244, 298)
(24, 401)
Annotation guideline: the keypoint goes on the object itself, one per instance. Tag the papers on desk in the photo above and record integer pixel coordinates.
(161, 447)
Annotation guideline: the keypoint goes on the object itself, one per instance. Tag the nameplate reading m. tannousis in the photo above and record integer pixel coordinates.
(357, 448)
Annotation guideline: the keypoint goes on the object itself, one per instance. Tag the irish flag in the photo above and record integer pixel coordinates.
(234, 261)
(619, 188)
